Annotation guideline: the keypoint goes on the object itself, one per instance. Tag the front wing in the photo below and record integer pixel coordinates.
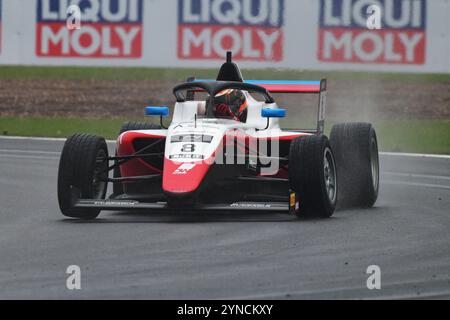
(114, 205)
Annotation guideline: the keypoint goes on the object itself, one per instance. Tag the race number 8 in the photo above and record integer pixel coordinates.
(189, 147)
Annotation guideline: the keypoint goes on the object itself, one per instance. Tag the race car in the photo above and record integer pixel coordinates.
(223, 150)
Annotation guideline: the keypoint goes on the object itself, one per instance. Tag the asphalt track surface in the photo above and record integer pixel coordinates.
(223, 256)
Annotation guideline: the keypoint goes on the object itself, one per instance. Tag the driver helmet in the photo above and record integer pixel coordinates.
(231, 103)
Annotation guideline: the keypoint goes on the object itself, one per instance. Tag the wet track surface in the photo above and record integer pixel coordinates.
(223, 256)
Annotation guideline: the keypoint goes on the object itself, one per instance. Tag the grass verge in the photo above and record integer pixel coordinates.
(180, 74)
(418, 136)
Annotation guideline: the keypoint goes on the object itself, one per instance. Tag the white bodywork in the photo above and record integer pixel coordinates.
(188, 118)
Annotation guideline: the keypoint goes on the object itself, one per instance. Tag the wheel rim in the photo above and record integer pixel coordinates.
(329, 170)
(100, 175)
(374, 163)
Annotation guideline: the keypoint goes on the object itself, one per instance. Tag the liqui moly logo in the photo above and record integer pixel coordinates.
(109, 29)
(345, 37)
(251, 29)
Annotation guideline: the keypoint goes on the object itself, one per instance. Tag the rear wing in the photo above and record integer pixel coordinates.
(294, 86)
(288, 86)
(282, 86)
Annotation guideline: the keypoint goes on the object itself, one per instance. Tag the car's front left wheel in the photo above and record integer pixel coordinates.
(83, 170)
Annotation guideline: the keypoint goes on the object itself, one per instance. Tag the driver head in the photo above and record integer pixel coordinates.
(231, 103)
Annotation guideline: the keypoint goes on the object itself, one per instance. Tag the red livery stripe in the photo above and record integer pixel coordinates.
(291, 88)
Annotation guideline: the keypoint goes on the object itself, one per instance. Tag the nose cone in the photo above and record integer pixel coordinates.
(183, 177)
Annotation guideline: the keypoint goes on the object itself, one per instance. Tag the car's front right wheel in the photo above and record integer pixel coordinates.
(313, 175)
(83, 169)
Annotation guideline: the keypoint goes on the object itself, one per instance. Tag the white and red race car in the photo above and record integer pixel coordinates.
(206, 162)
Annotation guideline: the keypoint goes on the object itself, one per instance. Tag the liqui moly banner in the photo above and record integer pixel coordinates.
(109, 29)
(344, 36)
(408, 36)
(252, 29)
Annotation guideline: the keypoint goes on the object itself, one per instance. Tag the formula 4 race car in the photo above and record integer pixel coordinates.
(211, 158)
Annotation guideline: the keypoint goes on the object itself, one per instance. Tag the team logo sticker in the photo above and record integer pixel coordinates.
(346, 33)
(107, 29)
(184, 168)
(251, 29)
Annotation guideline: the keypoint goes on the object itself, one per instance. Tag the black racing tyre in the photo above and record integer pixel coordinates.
(313, 176)
(82, 169)
(356, 150)
(133, 125)
(129, 126)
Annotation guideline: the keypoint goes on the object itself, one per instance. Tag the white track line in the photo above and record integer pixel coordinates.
(39, 139)
(415, 184)
(32, 138)
(416, 155)
(413, 175)
(29, 151)
(22, 157)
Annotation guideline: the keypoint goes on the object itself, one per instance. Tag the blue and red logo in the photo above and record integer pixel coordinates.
(251, 29)
(345, 37)
(109, 29)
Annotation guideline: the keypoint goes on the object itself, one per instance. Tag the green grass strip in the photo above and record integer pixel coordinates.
(180, 74)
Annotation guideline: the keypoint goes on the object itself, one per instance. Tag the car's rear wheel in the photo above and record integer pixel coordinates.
(313, 175)
(129, 126)
(82, 174)
(356, 150)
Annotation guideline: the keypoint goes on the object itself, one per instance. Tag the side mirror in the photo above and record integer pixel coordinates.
(157, 111)
(273, 113)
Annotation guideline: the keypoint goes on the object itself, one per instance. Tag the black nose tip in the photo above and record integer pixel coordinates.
(229, 56)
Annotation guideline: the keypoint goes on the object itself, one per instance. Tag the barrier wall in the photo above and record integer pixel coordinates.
(298, 34)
